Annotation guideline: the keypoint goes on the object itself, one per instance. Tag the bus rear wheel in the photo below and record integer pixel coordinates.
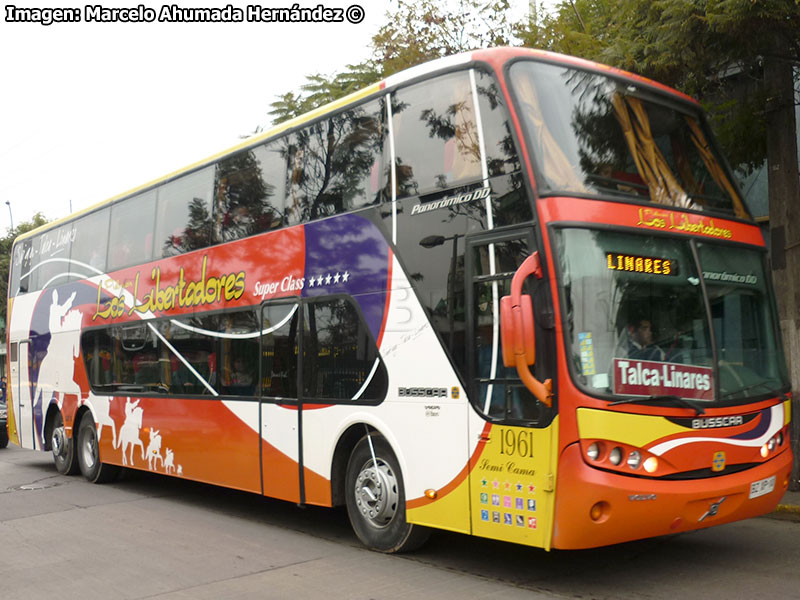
(376, 499)
(63, 448)
(88, 451)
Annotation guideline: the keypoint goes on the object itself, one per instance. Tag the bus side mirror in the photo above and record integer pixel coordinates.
(516, 330)
(517, 334)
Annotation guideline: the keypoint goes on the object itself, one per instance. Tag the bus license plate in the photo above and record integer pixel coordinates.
(764, 486)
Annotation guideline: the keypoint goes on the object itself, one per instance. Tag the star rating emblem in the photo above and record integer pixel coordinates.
(328, 279)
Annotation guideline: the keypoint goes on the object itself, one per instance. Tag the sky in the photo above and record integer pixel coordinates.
(89, 110)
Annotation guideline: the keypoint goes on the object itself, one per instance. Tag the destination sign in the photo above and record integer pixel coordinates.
(650, 265)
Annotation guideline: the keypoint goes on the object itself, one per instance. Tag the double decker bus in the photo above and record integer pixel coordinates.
(507, 293)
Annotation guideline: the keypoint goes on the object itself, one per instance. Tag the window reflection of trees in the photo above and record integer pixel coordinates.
(335, 164)
(436, 135)
(339, 354)
(592, 133)
(245, 200)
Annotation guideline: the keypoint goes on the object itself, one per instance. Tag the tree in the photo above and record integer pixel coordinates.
(426, 29)
(5, 255)
(319, 90)
(415, 32)
(705, 48)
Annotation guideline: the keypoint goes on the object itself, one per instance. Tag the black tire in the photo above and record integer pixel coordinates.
(3, 436)
(376, 503)
(63, 447)
(88, 453)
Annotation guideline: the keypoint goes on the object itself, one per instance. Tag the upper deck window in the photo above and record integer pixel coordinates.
(595, 135)
(435, 134)
(183, 213)
(131, 234)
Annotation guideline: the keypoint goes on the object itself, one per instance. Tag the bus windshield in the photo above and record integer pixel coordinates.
(657, 316)
(596, 135)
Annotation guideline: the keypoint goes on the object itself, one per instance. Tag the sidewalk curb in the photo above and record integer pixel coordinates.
(786, 512)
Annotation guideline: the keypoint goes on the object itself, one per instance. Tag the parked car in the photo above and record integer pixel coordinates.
(3, 419)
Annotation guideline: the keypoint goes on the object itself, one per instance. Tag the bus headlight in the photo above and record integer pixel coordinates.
(593, 451)
(623, 458)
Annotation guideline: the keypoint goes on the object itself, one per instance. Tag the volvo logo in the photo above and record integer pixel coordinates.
(713, 509)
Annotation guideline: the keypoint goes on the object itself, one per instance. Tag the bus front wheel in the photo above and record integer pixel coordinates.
(375, 499)
(88, 451)
(63, 448)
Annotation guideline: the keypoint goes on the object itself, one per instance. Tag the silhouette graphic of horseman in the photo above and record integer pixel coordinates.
(56, 375)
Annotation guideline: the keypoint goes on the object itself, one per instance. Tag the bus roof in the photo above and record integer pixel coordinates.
(494, 56)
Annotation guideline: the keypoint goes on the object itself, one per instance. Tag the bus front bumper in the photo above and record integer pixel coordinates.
(598, 508)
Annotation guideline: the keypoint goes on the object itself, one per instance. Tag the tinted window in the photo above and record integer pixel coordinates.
(340, 358)
(25, 256)
(510, 201)
(274, 172)
(336, 164)
(246, 203)
(435, 133)
(498, 391)
(122, 358)
(205, 354)
(279, 347)
(592, 134)
(89, 242)
(501, 155)
(184, 214)
(131, 236)
(52, 262)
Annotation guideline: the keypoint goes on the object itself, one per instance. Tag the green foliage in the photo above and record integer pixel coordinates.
(415, 32)
(5, 253)
(709, 49)
(426, 29)
(697, 46)
(319, 90)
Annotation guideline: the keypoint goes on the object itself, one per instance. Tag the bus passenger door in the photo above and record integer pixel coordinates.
(513, 469)
(21, 391)
(280, 410)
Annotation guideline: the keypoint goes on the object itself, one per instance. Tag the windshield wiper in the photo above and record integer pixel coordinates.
(672, 398)
(746, 388)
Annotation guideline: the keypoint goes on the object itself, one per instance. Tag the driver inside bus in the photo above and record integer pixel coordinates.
(640, 341)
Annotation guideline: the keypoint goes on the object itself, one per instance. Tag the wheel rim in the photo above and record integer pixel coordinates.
(58, 441)
(89, 450)
(376, 493)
